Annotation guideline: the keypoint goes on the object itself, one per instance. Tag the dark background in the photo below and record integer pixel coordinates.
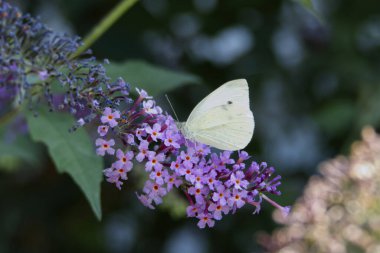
(314, 84)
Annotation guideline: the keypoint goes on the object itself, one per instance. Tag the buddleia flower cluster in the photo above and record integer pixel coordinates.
(214, 183)
(38, 65)
(340, 209)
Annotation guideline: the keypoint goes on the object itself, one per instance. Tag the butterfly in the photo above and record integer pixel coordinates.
(223, 119)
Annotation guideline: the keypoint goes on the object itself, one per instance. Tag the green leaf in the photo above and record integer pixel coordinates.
(154, 80)
(18, 150)
(21, 150)
(71, 152)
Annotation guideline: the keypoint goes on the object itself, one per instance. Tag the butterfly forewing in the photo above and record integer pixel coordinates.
(235, 91)
(223, 119)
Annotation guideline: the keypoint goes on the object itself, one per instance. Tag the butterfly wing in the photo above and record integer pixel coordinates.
(223, 119)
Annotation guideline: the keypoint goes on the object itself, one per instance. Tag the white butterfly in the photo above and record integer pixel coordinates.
(223, 119)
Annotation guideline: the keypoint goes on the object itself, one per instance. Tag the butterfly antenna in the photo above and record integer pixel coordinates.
(175, 114)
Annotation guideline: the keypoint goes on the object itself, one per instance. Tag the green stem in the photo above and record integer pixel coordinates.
(105, 24)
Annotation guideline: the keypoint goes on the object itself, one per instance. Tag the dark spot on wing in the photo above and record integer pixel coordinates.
(229, 102)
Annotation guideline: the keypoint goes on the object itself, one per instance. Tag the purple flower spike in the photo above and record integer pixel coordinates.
(124, 161)
(221, 195)
(237, 198)
(217, 210)
(114, 176)
(158, 176)
(171, 139)
(154, 132)
(237, 180)
(154, 191)
(110, 117)
(105, 147)
(150, 107)
(155, 162)
(243, 156)
(194, 210)
(144, 151)
(189, 158)
(143, 94)
(205, 219)
(210, 179)
(215, 183)
(145, 200)
(172, 180)
(102, 130)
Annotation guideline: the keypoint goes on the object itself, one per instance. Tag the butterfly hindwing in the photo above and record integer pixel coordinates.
(226, 131)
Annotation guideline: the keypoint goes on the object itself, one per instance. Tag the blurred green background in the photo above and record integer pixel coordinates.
(314, 79)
